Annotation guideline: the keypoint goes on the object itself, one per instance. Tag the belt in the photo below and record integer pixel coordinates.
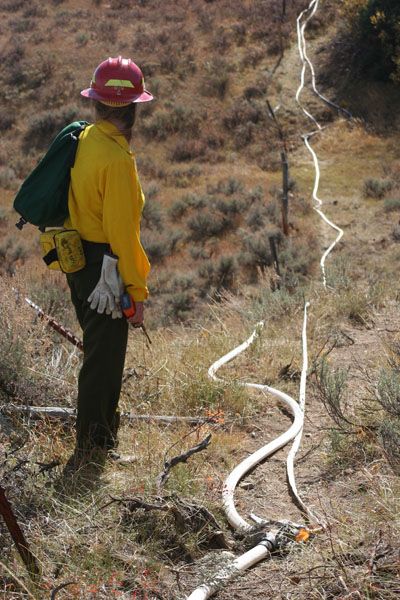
(94, 251)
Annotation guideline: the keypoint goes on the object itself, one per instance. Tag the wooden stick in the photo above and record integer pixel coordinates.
(17, 535)
(169, 464)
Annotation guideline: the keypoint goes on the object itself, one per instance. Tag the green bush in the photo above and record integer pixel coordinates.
(242, 113)
(256, 250)
(179, 305)
(153, 215)
(376, 188)
(42, 128)
(22, 25)
(227, 187)
(391, 204)
(8, 180)
(231, 207)
(375, 31)
(178, 210)
(396, 233)
(257, 217)
(218, 275)
(216, 80)
(179, 119)
(188, 150)
(7, 119)
(207, 224)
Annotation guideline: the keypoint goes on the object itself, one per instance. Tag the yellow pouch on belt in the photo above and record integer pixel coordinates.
(63, 250)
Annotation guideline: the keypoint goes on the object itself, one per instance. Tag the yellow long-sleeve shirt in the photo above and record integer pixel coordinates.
(106, 201)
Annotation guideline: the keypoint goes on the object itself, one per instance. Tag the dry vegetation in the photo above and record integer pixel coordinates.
(212, 186)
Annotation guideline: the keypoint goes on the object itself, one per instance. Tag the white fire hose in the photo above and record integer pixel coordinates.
(301, 41)
(269, 542)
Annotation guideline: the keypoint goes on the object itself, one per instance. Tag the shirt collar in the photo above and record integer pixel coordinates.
(113, 132)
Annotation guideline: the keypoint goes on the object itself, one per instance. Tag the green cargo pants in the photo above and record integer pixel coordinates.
(100, 377)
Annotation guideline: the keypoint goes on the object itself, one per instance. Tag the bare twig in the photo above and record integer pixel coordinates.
(60, 587)
(169, 464)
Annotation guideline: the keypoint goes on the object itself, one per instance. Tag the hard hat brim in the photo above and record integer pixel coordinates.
(145, 96)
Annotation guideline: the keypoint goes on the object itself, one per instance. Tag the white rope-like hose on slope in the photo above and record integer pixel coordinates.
(301, 27)
(263, 549)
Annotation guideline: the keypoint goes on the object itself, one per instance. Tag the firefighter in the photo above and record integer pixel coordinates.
(105, 204)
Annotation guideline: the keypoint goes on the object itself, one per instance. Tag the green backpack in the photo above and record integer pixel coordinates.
(43, 197)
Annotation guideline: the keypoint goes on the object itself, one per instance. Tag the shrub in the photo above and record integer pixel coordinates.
(153, 215)
(252, 92)
(207, 224)
(184, 177)
(3, 216)
(242, 113)
(388, 392)
(239, 33)
(390, 439)
(8, 179)
(257, 217)
(13, 5)
(188, 150)
(255, 194)
(107, 31)
(178, 209)
(44, 126)
(216, 79)
(396, 233)
(218, 275)
(231, 207)
(81, 39)
(196, 201)
(391, 204)
(199, 252)
(256, 248)
(228, 187)
(179, 305)
(34, 10)
(7, 119)
(155, 247)
(166, 122)
(22, 25)
(376, 188)
(376, 35)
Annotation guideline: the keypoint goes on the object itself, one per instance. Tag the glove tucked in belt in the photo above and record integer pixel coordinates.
(105, 296)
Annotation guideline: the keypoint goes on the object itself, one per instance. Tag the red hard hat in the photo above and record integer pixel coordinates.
(117, 82)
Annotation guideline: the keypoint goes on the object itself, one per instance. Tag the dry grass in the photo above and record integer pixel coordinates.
(104, 550)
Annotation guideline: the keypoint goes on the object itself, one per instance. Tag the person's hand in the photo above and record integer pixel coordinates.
(138, 317)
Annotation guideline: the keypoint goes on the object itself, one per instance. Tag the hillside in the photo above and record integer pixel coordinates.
(209, 159)
(208, 154)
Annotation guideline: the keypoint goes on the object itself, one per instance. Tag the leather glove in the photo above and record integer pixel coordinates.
(105, 296)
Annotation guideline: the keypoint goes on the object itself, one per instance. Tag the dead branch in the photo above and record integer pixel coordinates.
(169, 464)
(37, 412)
(137, 503)
(17, 535)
